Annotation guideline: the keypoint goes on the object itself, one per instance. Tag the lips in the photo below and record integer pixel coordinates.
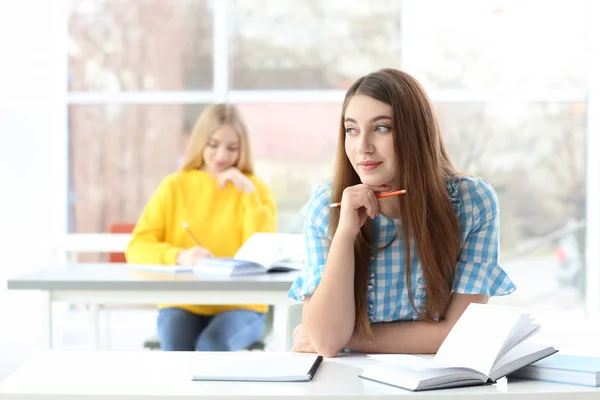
(369, 165)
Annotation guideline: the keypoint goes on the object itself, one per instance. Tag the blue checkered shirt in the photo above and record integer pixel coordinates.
(477, 271)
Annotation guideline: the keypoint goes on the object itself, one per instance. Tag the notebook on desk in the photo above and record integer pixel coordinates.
(289, 367)
(168, 269)
(260, 254)
(233, 267)
(564, 368)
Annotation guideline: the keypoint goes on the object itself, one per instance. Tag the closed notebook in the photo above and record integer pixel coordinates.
(564, 368)
(260, 254)
(261, 367)
(487, 343)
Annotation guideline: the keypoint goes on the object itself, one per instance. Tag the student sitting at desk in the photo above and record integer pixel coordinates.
(222, 203)
(392, 274)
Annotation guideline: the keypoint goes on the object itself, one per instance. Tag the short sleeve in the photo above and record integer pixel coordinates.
(317, 241)
(478, 269)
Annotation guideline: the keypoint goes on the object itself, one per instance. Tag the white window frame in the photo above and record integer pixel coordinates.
(221, 93)
(592, 256)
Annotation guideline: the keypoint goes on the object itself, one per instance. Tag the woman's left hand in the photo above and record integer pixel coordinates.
(301, 342)
(237, 178)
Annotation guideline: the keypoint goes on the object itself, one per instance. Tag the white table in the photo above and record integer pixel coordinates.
(113, 375)
(116, 283)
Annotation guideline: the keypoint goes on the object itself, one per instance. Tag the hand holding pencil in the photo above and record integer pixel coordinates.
(360, 202)
(379, 196)
(189, 257)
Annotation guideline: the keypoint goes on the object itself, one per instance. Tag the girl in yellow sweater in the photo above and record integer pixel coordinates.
(223, 203)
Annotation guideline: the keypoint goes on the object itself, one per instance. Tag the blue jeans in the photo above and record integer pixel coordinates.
(181, 330)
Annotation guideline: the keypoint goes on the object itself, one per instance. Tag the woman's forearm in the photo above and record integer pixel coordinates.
(329, 315)
(408, 337)
(423, 337)
(146, 249)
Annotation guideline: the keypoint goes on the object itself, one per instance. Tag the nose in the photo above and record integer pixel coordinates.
(365, 145)
(221, 155)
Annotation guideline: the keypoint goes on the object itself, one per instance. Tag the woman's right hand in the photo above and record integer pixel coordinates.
(191, 256)
(358, 203)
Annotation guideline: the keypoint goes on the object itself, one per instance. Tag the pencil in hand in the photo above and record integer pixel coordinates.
(379, 196)
(187, 228)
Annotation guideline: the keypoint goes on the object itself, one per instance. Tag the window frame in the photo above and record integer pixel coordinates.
(221, 93)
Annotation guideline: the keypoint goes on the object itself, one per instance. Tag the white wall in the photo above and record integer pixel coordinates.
(32, 158)
(33, 141)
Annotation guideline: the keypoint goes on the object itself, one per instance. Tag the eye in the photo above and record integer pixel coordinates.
(350, 131)
(233, 149)
(382, 128)
(212, 145)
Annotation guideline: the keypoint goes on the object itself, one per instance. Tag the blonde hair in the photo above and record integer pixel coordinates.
(212, 118)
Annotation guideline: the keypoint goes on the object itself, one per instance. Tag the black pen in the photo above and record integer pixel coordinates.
(313, 370)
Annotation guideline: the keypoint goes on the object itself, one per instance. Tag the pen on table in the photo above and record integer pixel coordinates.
(379, 196)
(187, 228)
(315, 367)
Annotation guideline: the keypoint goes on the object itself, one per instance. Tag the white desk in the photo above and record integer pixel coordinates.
(113, 375)
(116, 283)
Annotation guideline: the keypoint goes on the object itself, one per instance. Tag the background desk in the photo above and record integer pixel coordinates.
(113, 283)
(112, 375)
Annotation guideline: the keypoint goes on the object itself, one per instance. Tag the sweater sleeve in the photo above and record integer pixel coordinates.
(147, 245)
(259, 210)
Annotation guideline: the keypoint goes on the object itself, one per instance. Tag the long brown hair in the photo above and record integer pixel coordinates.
(427, 215)
(212, 118)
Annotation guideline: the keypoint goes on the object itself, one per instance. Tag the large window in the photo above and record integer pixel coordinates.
(508, 80)
(140, 45)
(320, 45)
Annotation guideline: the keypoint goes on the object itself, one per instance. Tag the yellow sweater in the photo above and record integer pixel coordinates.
(221, 219)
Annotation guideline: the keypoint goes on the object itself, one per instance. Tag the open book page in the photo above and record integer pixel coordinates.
(479, 336)
(413, 361)
(519, 356)
(419, 373)
(526, 331)
(271, 249)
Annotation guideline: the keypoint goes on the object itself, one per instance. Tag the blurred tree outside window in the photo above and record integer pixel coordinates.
(508, 86)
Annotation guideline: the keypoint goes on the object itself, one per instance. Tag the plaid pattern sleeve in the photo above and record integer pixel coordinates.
(317, 241)
(478, 271)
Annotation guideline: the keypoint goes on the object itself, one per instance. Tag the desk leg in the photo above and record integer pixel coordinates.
(95, 322)
(280, 319)
(46, 338)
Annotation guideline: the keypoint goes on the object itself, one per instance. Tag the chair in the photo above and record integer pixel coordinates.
(119, 227)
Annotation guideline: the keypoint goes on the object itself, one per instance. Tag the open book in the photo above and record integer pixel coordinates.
(487, 343)
(261, 253)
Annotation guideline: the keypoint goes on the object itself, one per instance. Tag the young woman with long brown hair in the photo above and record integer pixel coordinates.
(393, 274)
